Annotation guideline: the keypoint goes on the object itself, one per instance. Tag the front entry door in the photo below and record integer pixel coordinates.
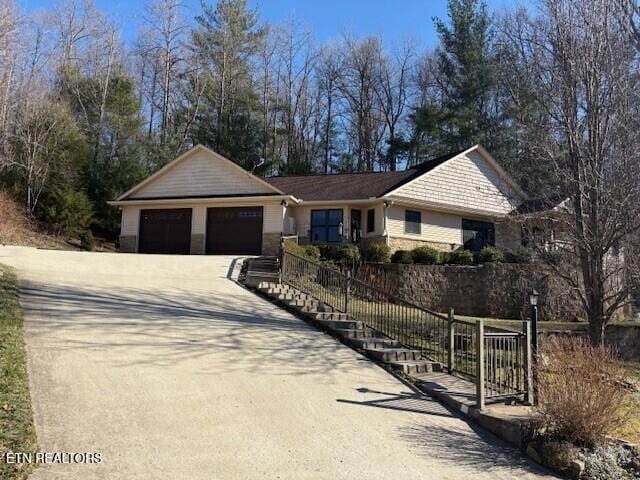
(356, 225)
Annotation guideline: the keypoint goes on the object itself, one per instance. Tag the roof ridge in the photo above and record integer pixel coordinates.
(335, 174)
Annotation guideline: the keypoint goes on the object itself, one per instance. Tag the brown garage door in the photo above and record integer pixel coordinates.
(165, 231)
(234, 230)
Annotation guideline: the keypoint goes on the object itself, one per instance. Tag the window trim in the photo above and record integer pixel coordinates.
(371, 220)
(409, 222)
(326, 225)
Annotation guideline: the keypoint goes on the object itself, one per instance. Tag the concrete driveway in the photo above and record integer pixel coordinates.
(170, 370)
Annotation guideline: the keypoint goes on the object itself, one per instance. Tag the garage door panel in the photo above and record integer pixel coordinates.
(166, 231)
(234, 230)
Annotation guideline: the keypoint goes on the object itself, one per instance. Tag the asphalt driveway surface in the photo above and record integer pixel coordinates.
(170, 370)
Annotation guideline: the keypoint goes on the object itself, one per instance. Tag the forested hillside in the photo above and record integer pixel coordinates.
(85, 115)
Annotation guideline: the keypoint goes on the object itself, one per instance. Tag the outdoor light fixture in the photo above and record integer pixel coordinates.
(533, 298)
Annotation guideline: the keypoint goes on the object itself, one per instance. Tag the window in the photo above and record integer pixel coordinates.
(477, 234)
(326, 225)
(412, 222)
(371, 220)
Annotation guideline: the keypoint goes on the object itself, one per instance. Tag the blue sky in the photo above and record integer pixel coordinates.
(326, 18)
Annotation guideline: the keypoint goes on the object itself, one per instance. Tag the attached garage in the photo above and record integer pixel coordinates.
(234, 230)
(165, 231)
(202, 203)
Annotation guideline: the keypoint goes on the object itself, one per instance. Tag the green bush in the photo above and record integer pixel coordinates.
(402, 256)
(554, 257)
(490, 254)
(66, 212)
(347, 254)
(460, 257)
(377, 252)
(518, 255)
(425, 255)
(445, 258)
(308, 251)
(87, 242)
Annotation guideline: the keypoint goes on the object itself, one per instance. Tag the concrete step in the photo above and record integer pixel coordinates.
(301, 302)
(253, 279)
(341, 324)
(394, 354)
(355, 333)
(416, 367)
(264, 286)
(333, 316)
(374, 342)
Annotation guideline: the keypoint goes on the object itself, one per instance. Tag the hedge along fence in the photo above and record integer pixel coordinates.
(498, 290)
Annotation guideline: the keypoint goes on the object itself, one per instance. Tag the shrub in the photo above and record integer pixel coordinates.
(490, 254)
(554, 257)
(308, 251)
(460, 257)
(66, 211)
(582, 391)
(347, 254)
(518, 255)
(425, 255)
(377, 252)
(87, 242)
(445, 257)
(402, 256)
(311, 251)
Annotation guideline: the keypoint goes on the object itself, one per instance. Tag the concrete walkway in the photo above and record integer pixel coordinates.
(172, 371)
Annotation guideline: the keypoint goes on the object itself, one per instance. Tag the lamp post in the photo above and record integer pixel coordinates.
(533, 301)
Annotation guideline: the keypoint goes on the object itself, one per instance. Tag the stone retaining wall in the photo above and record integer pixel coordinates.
(498, 290)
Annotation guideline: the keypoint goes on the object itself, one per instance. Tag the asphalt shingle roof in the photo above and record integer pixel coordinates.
(351, 186)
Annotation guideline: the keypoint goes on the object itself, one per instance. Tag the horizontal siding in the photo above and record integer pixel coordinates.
(436, 227)
(202, 174)
(273, 219)
(467, 182)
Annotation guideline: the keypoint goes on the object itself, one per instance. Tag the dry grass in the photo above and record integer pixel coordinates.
(17, 433)
(17, 228)
(582, 392)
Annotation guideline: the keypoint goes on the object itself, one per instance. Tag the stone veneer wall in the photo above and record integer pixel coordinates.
(197, 244)
(410, 244)
(128, 243)
(498, 290)
(270, 244)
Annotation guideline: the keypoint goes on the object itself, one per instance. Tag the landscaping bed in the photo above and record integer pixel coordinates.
(17, 432)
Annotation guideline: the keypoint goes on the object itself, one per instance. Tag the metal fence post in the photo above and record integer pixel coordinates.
(281, 260)
(528, 362)
(480, 393)
(347, 291)
(451, 343)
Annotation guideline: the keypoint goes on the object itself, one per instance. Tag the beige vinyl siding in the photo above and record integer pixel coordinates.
(378, 223)
(467, 182)
(436, 227)
(273, 219)
(201, 174)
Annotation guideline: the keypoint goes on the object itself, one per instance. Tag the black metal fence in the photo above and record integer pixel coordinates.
(497, 360)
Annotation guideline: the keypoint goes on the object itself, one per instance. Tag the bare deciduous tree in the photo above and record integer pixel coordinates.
(587, 74)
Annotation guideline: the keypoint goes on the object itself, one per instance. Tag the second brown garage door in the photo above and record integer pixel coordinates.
(234, 230)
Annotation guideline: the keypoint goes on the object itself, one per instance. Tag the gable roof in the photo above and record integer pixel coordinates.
(198, 148)
(352, 186)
